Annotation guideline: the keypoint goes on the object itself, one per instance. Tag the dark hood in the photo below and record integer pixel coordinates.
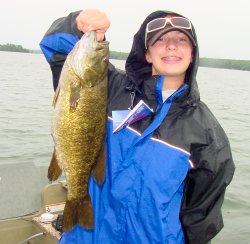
(138, 69)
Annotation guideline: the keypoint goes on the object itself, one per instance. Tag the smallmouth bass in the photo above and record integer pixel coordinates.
(79, 125)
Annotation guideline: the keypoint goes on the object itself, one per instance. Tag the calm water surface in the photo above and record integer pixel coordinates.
(26, 145)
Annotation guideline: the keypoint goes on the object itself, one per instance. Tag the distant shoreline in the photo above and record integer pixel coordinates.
(204, 62)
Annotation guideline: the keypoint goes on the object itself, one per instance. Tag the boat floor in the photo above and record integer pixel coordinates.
(30, 229)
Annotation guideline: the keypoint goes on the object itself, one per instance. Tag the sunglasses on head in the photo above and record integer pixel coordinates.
(160, 23)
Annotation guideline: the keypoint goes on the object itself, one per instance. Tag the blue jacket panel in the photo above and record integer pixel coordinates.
(57, 43)
(146, 191)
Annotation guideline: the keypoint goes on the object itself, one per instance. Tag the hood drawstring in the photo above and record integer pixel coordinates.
(132, 97)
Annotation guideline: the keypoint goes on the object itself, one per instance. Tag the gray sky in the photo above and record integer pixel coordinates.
(221, 25)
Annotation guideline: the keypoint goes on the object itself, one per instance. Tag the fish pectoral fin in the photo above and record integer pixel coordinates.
(54, 170)
(99, 169)
(74, 95)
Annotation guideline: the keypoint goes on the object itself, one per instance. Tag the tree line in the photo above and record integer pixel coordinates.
(225, 63)
(204, 62)
(13, 48)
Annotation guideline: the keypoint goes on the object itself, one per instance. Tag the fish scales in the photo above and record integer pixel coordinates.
(79, 125)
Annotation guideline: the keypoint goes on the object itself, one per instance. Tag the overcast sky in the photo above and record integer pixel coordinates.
(222, 26)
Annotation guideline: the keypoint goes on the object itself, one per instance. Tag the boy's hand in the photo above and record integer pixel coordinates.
(93, 19)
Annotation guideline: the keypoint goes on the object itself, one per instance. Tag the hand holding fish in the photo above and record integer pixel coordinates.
(93, 19)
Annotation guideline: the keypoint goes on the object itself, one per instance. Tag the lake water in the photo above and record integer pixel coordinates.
(26, 145)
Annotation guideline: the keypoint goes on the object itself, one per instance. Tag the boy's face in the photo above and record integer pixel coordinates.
(170, 55)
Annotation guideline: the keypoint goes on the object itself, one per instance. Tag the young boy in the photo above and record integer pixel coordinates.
(167, 173)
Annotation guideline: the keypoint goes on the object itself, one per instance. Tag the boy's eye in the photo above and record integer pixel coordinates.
(182, 39)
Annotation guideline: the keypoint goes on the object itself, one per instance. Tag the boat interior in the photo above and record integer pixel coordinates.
(33, 228)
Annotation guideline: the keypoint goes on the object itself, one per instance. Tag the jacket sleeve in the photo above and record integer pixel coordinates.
(58, 42)
(206, 183)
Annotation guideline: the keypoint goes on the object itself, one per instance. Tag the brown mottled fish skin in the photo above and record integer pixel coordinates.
(79, 125)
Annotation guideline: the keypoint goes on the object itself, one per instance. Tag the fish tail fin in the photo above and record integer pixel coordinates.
(54, 170)
(78, 211)
(86, 213)
(69, 215)
(99, 169)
